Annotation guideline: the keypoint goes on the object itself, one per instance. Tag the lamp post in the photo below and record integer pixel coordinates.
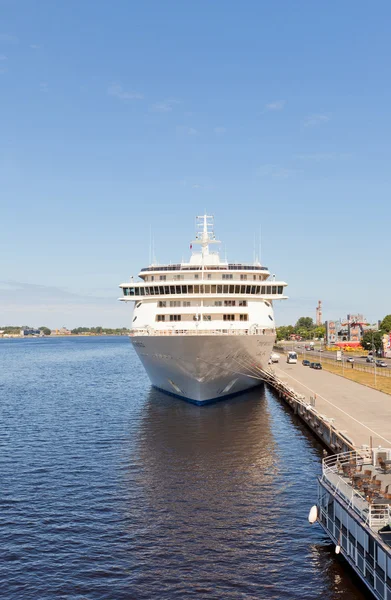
(374, 358)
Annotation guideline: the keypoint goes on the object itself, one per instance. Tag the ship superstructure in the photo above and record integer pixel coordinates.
(201, 328)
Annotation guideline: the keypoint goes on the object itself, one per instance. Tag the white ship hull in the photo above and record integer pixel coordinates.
(202, 368)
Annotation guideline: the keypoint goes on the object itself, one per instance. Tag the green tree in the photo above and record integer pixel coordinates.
(45, 330)
(385, 325)
(304, 323)
(372, 338)
(319, 332)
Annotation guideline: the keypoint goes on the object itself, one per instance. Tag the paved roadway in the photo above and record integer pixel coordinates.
(358, 411)
(313, 355)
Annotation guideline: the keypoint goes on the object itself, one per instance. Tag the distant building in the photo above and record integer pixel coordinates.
(35, 332)
(346, 332)
(319, 314)
(62, 331)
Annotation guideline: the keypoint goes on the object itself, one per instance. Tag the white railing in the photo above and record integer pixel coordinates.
(172, 332)
(333, 470)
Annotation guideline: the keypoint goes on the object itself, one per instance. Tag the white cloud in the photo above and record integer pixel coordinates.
(35, 46)
(219, 130)
(276, 105)
(44, 87)
(116, 90)
(165, 106)
(313, 120)
(187, 131)
(275, 171)
(323, 156)
(6, 38)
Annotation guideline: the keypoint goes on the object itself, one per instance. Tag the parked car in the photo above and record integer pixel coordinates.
(306, 363)
(315, 365)
(370, 359)
(381, 363)
(350, 359)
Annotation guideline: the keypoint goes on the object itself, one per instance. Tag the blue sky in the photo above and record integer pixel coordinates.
(118, 117)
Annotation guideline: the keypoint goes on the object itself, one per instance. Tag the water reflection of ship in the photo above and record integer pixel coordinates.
(208, 471)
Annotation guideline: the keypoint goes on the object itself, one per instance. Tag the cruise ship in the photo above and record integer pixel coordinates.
(204, 329)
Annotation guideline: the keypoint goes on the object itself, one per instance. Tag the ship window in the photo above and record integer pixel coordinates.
(243, 277)
(166, 289)
(227, 276)
(162, 277)
(231, 289)
(269, 289)
(187, 303)
(196, 289)
(242, 289)
(196, 276)
(229, 302)
(172, 289)
(237, 289)
(248, 289)
(206, 317)
(175, 317)
(243, 317)
(219, 289)
(218, 303)
(178, 289)
(225, 289)
(263, 290)
(201, 289)
(242, 302)
(151, 291)
(136, 291)
(209, 276)
(161, 289)
(254, 277)
(207, 289)
(274, 289)
(280, 289)
(229, 317)
(147, 291)
(189, 289)
(175, 303)
(152, 278)
(160, 317)
(142, 291)
(253, 289)
(213, 287)
(162, 304)
(184, 287)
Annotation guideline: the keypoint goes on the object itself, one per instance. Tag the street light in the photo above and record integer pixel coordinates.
(374, 358)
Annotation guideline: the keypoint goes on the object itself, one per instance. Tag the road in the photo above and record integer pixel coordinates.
(313, 355)
(361, 412)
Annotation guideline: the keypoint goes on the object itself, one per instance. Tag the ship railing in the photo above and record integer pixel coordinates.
(173, 332)
(338, 471)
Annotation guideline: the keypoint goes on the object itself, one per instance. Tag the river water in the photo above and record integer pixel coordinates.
(113, 490)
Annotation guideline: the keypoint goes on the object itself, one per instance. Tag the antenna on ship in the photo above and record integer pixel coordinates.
(205, 234)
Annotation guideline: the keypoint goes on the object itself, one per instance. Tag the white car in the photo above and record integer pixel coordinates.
(350, 359)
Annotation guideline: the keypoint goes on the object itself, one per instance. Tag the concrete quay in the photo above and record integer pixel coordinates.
(361, 415)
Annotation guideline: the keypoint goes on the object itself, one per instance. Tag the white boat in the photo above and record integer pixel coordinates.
(204, 329)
